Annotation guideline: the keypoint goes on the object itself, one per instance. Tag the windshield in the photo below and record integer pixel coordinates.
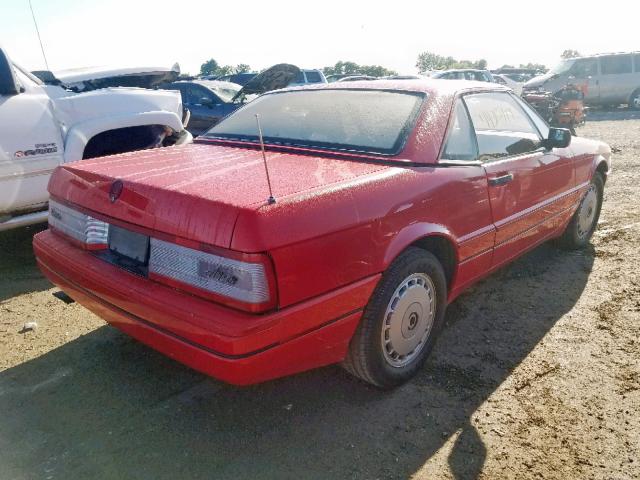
(226, 94)
(562, 67)
(362, 120)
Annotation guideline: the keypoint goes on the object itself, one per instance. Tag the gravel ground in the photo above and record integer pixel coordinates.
(536, 376)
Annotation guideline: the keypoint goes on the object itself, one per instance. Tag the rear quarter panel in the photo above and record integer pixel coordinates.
(328, 239)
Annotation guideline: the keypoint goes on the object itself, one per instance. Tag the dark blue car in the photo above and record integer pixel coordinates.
(208, 101)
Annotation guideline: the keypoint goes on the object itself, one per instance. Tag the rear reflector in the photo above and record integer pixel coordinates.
(77, 225)
(245, 282)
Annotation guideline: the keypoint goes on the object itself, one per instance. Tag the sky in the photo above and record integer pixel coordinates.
(310, 34)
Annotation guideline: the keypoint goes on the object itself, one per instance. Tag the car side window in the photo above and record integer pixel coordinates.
(299, 78)
(204, 93)
(538, 121)
(461, 143)
(501, 126)
(615, 64)
(585, 68)
(636, 63)
(189, 95)
(313, 77)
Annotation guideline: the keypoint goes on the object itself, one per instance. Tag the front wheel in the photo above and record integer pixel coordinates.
(584, 221)
(401, 321)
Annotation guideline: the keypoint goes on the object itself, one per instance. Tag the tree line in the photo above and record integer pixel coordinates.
(211, 67)
(352, 68)
(427, 61)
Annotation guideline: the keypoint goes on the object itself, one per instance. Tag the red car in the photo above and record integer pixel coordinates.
(390, 198)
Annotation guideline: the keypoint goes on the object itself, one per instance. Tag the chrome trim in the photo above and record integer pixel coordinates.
(24, 220)
(36, 173)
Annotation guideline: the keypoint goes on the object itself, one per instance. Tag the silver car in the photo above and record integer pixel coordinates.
(465, 74)
(606, 79)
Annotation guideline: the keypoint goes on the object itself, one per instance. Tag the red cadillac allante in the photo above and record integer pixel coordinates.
(389, 199)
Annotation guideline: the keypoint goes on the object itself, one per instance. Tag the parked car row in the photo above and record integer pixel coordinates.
(465, 74)
(304, 77)
(606, 79)
(209, 101)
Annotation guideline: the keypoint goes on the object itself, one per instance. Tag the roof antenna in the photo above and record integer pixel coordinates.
(38, 32)
(271, 200)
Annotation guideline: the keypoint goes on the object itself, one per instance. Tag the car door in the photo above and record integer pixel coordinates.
(200, 113)
(529, 187)
(31, 147)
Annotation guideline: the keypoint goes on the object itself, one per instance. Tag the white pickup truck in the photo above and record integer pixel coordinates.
(43, 126)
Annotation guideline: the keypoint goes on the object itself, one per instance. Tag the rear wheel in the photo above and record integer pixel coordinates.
(584, 221)
(401, 321)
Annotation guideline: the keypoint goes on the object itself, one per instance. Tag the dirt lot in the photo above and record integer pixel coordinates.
(536, 376)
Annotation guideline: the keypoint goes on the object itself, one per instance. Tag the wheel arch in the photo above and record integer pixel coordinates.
(633, 94)
(436, 239)
(79, 136)
(602, 167)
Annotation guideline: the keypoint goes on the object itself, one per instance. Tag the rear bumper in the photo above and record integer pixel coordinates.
(233, 346)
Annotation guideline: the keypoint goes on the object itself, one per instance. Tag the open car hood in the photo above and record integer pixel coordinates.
(273, 78)
(94, 78)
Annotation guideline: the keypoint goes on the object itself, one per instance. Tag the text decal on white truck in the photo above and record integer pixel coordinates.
(39, 149)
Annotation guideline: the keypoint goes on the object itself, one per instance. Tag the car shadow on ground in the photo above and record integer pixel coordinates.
(105, 406)
(18, 269)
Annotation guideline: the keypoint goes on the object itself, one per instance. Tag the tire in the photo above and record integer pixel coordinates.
(634, 100)
(584, 221)
(400, 323)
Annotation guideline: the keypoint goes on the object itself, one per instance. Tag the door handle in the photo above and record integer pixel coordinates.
(501, 180)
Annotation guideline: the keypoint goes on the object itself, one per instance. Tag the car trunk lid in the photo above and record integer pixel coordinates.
(195, 191)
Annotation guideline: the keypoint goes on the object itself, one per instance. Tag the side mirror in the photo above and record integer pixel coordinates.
(558, 138)
(8, 83)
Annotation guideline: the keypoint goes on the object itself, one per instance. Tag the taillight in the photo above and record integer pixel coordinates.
(248, 284)
(90, 232)
(244, 281)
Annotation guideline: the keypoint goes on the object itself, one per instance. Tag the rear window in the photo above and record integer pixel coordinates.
(313, 77)
(375, 121)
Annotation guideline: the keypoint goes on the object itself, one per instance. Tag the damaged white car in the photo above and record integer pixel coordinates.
(44, 125)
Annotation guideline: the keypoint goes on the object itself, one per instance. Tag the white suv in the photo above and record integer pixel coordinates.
(308, 77)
